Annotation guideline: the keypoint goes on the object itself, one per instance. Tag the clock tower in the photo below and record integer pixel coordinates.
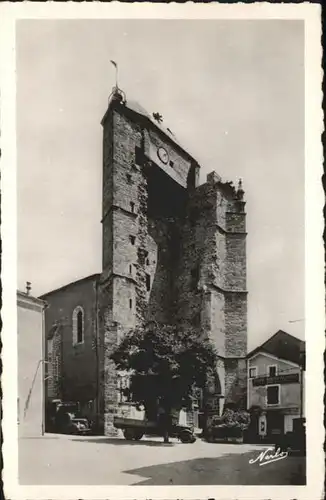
(172, 251)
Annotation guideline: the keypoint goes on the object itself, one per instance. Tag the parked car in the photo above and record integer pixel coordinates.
(294, 441)
(65, 418)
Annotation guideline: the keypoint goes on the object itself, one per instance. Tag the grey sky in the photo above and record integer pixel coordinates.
(231, 91)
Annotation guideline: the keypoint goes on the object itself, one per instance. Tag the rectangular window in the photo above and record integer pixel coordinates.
(272, 371)
(148, 282)
(132, 239)
(253, 372)
(130, 269)
(130, 303)
(273, 395)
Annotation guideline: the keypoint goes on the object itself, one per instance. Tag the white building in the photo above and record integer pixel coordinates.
(276, 385)
(30, 401)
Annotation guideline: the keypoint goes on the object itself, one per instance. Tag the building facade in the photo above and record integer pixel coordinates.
(31, 343)
(173, 251)
(275, 394)
(71, 323)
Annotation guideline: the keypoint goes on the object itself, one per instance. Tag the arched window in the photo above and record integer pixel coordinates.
(78, 325)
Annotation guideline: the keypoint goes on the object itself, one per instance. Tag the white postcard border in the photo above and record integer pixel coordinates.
(314, 224)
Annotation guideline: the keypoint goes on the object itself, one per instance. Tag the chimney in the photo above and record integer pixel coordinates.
(240, 191)
(213, 178)
(28, 287)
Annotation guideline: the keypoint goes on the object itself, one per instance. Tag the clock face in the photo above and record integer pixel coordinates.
(163, 155)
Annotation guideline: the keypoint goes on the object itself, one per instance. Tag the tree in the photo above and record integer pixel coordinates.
(232, 423)
(166, 363)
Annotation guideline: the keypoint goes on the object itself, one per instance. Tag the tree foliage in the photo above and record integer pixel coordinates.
(165, 364)
(233, 418)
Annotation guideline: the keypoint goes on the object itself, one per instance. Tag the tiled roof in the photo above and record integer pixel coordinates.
(93, 277)
(282, 345)
(140, 110)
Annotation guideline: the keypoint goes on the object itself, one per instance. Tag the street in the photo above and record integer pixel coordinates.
(64, 460)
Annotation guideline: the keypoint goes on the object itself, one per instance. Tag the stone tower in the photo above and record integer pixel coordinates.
(173, 251)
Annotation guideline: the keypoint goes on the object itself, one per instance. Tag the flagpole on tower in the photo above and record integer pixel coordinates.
(116, 72)
(117, 93)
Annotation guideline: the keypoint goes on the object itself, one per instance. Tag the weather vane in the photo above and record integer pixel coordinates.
(158, 117)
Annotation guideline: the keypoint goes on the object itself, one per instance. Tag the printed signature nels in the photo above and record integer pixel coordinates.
(268, 456)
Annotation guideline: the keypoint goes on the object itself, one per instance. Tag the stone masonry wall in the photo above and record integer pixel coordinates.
(185, 262)
(125, 231)
(107, 181)
(214, 241)
(236, 303)
(217, 320)
(108, 336)
(78, 366)
(160, 296)
(140, 267)
(235, 324)
(235, 262)
(236, 381)
(53, 369)
(120, 230)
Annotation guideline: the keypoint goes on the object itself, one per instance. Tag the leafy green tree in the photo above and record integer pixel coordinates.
(232, 423)
(165, 363)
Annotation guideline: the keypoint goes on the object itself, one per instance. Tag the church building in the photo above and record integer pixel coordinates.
(173, 251)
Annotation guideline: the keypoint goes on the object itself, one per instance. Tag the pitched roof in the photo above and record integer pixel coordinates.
(24, 298)
(135, 107)
(93, 277)
(282, 345)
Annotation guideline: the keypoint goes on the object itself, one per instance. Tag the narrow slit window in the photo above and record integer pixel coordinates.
(132, 207)
(138, 155)
(147, 262)
(148, 282)
(130, 303)
(78, 325)
(195, 276)
(130, 269)
(171, 164)
(132, 239)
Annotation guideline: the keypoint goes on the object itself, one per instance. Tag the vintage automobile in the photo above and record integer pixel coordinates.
(295, 441)
(65, 418)
(135, 426)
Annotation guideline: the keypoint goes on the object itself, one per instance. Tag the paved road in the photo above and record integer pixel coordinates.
(64, 460)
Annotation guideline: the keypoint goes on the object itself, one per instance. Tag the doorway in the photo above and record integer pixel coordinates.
(275, 424)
